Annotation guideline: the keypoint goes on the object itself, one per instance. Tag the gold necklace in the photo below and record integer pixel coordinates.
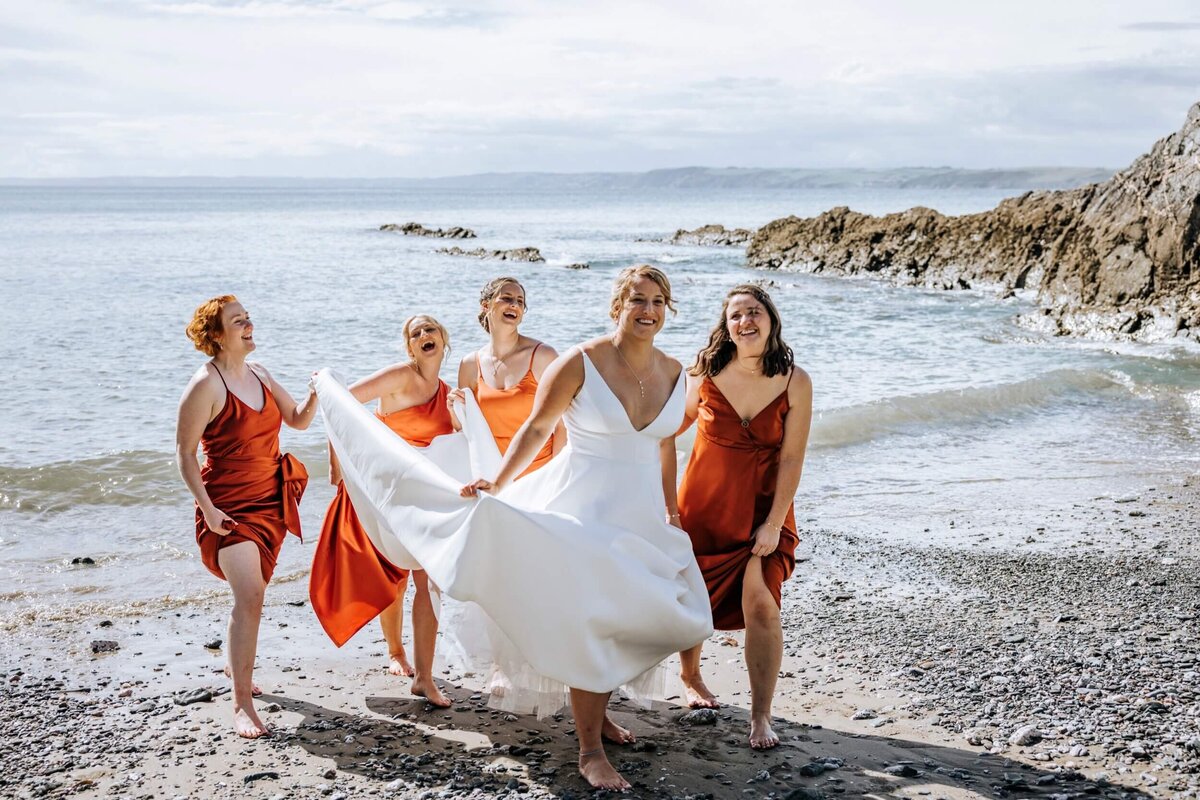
(498, 360)
(738, 361)
(641, 386)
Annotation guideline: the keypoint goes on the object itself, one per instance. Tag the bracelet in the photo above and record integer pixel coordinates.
(673, 516)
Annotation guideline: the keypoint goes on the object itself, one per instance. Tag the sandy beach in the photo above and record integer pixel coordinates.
(969, 668)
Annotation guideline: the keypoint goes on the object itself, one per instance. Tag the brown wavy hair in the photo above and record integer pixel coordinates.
(490, 292)
(206, 324)
(624, 284)
(777, 358)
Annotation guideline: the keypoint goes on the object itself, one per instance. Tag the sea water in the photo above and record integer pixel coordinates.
(937, 417)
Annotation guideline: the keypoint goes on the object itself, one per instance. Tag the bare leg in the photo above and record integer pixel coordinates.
(612, 732)
(425, 628)
(764, 652)
(589, 709)
(698, 695)
(243, 570)
(254, 690)
(391, 619)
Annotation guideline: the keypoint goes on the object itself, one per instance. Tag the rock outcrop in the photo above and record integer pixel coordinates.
(530, 254)
(417, 229)
(1114, 259)
(711, 235)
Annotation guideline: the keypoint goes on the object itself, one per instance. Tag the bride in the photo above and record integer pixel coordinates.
(583, 580)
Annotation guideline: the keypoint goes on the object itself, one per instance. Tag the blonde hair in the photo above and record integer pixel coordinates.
(405, 329)
(490, 292)
(206, 324)
(623, 286)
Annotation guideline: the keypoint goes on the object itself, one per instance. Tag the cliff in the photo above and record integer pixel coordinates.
(1114, 259)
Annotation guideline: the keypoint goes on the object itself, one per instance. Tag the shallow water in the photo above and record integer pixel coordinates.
(934, 410)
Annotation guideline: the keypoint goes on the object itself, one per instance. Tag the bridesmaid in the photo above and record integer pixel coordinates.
(754, 408)
(347, 589)
(247, 494)
(505, 392)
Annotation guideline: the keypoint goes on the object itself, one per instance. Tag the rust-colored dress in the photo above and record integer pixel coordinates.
(247, 478)
(727, 492)
(507, 409)
(351, 581)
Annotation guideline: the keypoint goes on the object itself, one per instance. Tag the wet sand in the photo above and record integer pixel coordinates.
(1026, 667)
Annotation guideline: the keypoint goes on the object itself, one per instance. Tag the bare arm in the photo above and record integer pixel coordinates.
(295, 415)
(467, 377)
(669, 455)
(796, 426)
(543, 358)
(561, 382)
(395, 379)
(198, 407)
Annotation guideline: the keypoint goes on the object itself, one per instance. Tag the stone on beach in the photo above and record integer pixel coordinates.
(104, 646)
(711, 235)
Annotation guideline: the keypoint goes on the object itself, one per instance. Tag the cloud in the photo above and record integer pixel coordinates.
(1163, 26)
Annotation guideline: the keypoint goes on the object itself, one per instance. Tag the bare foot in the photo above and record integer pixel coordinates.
(698, 695)
(430, 691)
(247, 724)
(398, 665)
(596, 770)
(612, 732)
(254, 690)
(761, 735)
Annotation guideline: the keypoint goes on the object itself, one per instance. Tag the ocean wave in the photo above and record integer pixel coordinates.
(126, 478)
(912, 413)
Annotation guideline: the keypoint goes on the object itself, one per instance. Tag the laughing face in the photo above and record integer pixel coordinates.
(748, 324)
(237, 331)
(644, 310)
(507, 307)
(425, 338)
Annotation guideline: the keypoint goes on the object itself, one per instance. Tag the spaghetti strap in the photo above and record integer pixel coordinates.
(791, 372)
(478, 368)
(532, 356)
(219, 375)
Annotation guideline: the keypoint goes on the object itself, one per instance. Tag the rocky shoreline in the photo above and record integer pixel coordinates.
(528, 254)
(1118, 259)
(417, 229)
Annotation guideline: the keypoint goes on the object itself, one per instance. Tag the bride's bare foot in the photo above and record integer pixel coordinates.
(698, 695)
(428, 689)
(612, 732)
(761, 735)
(398, 665)
(247, 724)
(595, 769)
(254, 690)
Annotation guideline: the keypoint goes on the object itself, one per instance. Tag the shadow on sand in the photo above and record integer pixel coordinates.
(470, 746)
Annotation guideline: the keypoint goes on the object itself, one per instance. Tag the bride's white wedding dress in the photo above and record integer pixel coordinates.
(580, 581)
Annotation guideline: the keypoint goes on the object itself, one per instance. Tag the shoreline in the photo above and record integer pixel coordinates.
(943, 652)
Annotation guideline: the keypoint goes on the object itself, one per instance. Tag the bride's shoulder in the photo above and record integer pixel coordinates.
(669, 364)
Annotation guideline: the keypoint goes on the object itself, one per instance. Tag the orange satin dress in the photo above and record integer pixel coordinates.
(247, 478)
(727, 492)
(351, 581)
(507, 409)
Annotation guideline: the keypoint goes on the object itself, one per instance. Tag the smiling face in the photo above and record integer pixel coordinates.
(424, 337)
(748, 324)
(506, 308)
(237, 331)
(644, 309)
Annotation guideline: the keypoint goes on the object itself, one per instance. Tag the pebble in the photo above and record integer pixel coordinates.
(864, 713)
(699, 716)
(189, 696)
(104, 646)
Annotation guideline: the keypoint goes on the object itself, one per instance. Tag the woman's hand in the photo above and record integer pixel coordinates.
(455, 396)
(673, 520)
(481, 485)
(766, 539)
(218, 521)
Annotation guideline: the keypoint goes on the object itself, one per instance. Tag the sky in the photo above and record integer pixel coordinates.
(391, 88)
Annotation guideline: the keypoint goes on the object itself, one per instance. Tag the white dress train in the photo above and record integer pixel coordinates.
(569, 577)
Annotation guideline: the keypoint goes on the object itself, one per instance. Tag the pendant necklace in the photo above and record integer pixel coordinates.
(641, 387)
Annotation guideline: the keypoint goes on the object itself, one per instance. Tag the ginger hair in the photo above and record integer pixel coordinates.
(206, 326)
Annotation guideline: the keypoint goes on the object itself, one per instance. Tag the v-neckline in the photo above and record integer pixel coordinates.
(625, 413)
(262, 385)
(747, 421)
